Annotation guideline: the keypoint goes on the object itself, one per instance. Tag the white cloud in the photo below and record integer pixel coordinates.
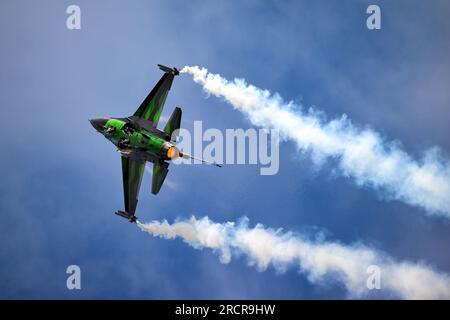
(318, 260)
(362, 153)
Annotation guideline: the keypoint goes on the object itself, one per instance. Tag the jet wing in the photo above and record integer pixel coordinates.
(151, 108)
(159, 174)
(132, 172)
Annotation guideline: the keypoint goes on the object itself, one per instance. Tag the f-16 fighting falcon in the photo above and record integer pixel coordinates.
(138, 141)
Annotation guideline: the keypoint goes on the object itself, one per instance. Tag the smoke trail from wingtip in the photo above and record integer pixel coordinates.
(361, 153)
(319, 261)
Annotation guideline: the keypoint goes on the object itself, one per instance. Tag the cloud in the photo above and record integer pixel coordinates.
(361, 153)
(320, 261)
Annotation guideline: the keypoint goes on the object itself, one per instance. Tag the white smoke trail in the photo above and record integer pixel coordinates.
(266, 247)
(362, 153)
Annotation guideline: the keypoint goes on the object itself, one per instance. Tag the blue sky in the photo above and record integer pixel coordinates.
(62, 180)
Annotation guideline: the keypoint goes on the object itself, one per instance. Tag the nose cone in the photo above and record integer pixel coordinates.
(98, 123)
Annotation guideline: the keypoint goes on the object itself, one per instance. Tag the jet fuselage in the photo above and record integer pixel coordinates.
(134, 141)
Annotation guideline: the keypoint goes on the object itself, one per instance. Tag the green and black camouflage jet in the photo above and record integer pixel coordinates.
(138, 140)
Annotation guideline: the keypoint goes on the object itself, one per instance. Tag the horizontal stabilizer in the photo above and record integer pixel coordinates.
(159, 174)
(173, 123)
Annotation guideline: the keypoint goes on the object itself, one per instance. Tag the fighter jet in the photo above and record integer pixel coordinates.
(138, 140)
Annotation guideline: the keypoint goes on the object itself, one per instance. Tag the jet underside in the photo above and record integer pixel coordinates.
(139, 141)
